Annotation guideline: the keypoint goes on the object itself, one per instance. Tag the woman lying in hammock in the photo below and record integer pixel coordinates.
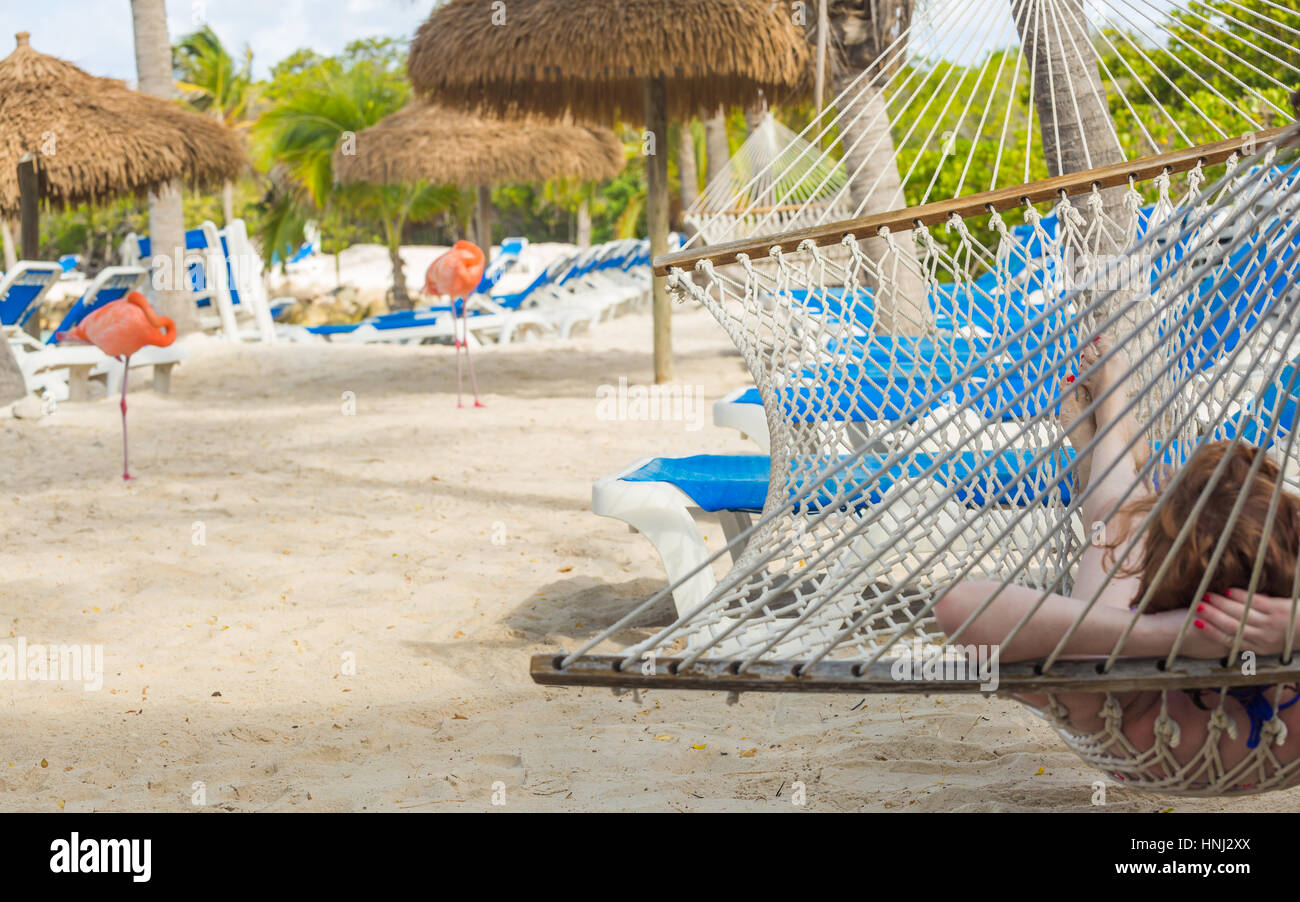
(1218, 614)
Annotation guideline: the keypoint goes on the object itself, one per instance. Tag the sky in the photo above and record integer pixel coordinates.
(96, 34)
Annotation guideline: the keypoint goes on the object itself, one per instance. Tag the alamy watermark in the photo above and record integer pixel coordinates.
(24, 662)
(204, 270)
(948, 663)
(667, 403)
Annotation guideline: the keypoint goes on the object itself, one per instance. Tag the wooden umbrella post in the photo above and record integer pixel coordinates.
(483, 215)
(29, 187)
(29, 211)
(656, 164)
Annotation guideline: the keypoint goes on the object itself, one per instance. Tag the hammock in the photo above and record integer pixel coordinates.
(773, 162)
(915, 439)
(959, 469)
(944, 98)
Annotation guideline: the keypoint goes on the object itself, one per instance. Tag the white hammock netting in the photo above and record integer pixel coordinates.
(903, 464)
(773, 162)
(956, 100)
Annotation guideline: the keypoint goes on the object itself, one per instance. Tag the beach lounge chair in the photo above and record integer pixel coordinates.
(595, 285)
(489, 317)
(69, 264)
(22, 290)
(310, 247)
(224, 277)
(662, 498)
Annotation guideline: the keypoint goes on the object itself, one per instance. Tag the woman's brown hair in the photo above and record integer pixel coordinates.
(1183, 576)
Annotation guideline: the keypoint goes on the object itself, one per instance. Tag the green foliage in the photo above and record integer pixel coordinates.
(1164, 103)
(210, 79)
(295, 119)
(330, 99)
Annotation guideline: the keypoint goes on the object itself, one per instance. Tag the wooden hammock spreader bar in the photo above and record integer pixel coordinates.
(760, 211)
(840, 676)
(1072, 184)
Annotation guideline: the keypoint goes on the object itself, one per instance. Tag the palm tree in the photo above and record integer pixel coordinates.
(153, 63)
(860, 30)
(1073, 115)
(215, 83)
(717, 149)
(1066, 79)
(302, 132)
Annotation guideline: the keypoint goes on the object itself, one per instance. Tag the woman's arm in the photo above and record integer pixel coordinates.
(1114, 481)
(1152, 635)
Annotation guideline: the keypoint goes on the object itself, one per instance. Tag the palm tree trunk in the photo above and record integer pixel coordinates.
(1074, 119)
(12, 386)
(11, 253)
(401, 295)
(715, 144)
(858, 30)
(584, 224)
(153, 63)
(228, 202)
(1069, 97)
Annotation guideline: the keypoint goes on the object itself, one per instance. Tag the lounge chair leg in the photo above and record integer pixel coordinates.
(733, 524)
(162, 378)
(656, 511)
(79, 382)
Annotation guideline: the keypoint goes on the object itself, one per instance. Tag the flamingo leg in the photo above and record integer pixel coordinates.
(126, 371)
(473, 381)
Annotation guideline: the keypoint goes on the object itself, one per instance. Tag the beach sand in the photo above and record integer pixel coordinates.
(432, 550)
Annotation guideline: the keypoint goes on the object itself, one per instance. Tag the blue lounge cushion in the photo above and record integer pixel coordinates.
(715, 482)
(19, 303)
(739, 482)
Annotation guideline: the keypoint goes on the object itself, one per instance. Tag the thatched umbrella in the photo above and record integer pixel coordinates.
(425, 143)
(70, 137)
(605, 59)
(95, 139)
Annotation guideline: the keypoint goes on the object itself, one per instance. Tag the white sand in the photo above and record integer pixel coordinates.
(371, 536)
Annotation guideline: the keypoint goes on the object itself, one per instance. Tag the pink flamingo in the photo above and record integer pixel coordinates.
(456, 274)
(119, 329)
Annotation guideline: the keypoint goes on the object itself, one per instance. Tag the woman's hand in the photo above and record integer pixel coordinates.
(1160, 632)
(1220, 616)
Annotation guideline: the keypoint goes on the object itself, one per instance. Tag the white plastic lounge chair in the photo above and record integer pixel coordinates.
(661, 498)
(600, 283)
(22, 290)
(224, 276)
(495, 317)
(742, 410)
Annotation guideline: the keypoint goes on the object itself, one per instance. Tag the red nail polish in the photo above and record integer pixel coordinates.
(1198, 624)
(1200, 608)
